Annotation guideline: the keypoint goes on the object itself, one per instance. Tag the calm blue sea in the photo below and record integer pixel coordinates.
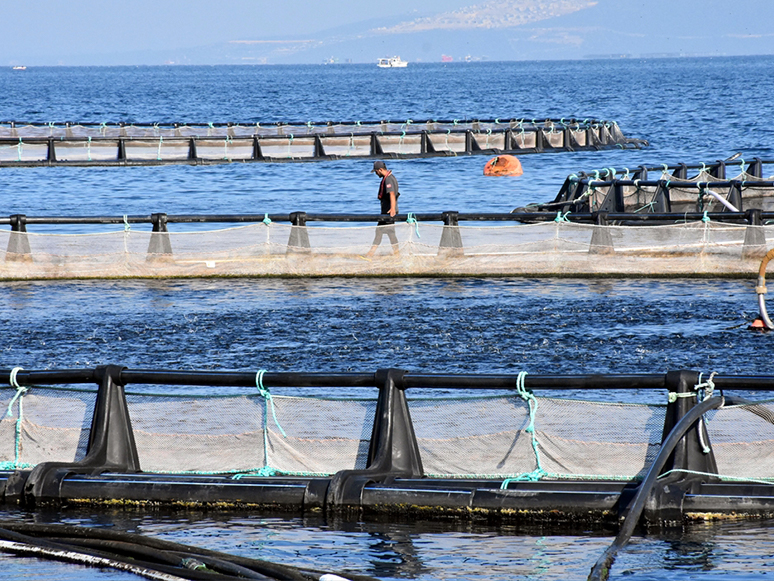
(691, 110)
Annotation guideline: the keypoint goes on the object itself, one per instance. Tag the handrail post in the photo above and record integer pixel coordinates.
(111, 442)
(299, 236)
(451, 238)
(754, 236)
(692, 454)
(18, 243)
(160, 247)
(393, 449)
(601, 238)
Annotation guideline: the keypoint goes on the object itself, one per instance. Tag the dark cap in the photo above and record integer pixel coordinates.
(378, 165)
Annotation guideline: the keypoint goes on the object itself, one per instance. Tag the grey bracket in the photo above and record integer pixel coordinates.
(298, 242)
(393, 450)
(159, 246)
(111, 445)
(451, 239)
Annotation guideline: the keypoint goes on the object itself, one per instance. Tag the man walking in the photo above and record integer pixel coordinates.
(388, 196)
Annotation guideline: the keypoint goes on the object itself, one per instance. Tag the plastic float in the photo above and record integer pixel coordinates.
(99, 144)
(503, 165)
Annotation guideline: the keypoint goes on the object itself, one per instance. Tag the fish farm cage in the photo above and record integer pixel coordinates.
(679, 188)
(128, 144)
(542, 242)
(393, 442)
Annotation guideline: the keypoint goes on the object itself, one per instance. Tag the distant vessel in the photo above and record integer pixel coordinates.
(445, 58)
(19, 68)
(392, 62)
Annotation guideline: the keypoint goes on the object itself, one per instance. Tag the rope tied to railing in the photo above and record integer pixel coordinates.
(158, 152)
(532, 405)
(127, 227)
(20, 391)
(266, 395)
(266, 220)
(704, 391)
(88, 147)
(411, 219)
(561, 218)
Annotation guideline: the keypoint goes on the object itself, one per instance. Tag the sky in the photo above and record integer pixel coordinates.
(108, 32)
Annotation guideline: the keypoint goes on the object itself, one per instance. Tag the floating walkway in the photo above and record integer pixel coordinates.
(543, 243)
(121, 144)
(505, 447)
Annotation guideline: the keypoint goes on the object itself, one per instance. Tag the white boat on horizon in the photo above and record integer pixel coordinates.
(19, 68)
(391, 62)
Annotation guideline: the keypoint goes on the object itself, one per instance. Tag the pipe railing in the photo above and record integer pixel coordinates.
(17, 221)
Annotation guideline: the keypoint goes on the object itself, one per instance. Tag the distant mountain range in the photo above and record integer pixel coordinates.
(502, 30)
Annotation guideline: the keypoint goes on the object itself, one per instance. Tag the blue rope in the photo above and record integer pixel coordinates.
(561, 218)
(266, 395)
(266, 219)
(411, 219)
(532, 403)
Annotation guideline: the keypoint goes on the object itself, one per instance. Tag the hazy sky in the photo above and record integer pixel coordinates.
(75, 26)
(203, 31)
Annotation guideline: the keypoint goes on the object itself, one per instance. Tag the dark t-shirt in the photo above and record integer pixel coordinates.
(388, 185)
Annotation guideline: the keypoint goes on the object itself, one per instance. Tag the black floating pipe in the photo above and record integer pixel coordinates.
(601, 569)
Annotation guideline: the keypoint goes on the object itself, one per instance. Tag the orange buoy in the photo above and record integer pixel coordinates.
(758, 324)
(503, 165)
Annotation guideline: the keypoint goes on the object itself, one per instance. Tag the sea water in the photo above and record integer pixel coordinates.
(690, 110)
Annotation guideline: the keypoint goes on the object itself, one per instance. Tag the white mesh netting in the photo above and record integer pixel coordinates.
(556, 248)
(483, 436)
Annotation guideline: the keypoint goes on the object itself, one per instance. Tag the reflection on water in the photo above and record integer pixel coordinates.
(428, 551)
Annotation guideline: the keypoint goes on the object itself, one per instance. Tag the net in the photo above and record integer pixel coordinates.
(458, 437)
(274, 249)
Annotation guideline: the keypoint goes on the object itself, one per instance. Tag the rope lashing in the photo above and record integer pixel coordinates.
(20, 390)
(532, 404)
(674, 396)
(19, 150)
(705, 218)
(411, 219)
(708, 388)
(626, 176)
(561, 218)
(158, 153)
(266, 395)
(127, 227)
(266, 219)
(88, 147)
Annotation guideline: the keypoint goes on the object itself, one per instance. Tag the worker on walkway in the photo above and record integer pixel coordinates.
(388, 196)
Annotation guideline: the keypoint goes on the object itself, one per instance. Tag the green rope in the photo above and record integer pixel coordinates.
(721, 476)
(411, 219)
(266, 395)
(127, 227)
(88, 147)
(705, 218)
(158, 153)
(532, 403)
(561, 218)
(266, 219)
(20, 391)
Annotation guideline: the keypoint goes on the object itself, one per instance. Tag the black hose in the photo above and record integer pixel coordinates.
(601, 569)
(167, 556)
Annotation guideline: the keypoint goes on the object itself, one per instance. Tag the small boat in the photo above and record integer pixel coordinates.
(20, 68)
(391, 62)
(445, 58)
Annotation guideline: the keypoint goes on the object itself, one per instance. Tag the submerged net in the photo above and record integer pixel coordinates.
(555, 248)
(497, 437)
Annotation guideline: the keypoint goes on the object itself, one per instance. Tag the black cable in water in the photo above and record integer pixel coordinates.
(601, 569)
(154, 558)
